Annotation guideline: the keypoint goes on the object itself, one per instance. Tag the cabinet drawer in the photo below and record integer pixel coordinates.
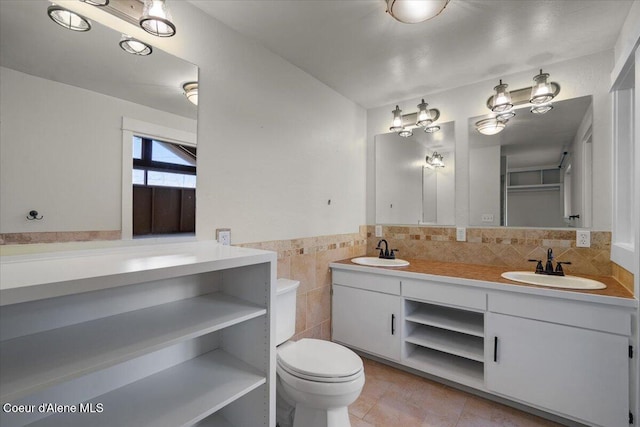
(368, 281)
(573, 313)
(445, 294)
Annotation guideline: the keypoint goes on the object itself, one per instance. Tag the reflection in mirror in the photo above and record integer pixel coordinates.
(65, 100)
(409, 190)
(537, 171)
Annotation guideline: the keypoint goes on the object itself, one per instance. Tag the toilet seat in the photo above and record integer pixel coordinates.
(319, 361)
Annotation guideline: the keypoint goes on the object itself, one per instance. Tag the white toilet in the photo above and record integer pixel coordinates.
(316, 380)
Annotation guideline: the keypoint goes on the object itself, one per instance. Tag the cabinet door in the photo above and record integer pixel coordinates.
(367, 320)
(577, 372)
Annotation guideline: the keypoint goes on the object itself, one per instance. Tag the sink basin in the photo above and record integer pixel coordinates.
(380, 262)
(566, 282)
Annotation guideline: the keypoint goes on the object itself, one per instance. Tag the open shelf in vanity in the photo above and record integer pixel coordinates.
(189, 344)
(445, 341)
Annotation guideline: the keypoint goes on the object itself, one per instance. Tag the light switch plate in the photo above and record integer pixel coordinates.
(461, 234)
(223, 235)
(487, 217)
(378, 231)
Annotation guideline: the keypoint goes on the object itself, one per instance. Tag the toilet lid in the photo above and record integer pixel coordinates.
(319, 359)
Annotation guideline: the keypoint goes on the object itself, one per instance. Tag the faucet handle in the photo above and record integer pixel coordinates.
(392, 255)
(381, 252)
(559, 267)
(539, 267)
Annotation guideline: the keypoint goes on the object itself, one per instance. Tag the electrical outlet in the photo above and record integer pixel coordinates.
(461, 234)
(223, 235)
(378, 231)
(583, 239)
(487, 218)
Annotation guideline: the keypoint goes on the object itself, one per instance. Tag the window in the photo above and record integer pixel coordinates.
(164, 182)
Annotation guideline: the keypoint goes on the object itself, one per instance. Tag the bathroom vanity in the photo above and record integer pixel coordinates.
(154, 335)
(564, 352)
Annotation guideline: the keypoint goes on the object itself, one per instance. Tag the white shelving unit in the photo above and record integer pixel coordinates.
(173, 341)
(444, 341)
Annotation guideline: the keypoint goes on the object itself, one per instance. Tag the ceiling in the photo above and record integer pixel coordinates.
(361, 52)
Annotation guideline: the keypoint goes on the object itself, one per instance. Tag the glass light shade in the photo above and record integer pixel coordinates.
(396, 125)
(96, 2)
(502, 99)
(542, 108)
(490, 126)
(68, 19)
(414, 11)
(504, 117)
(424, 115)
(405, 133)
(135, 47)
(156, 19)
(435, 161)
(541, 91)
(432, 129)
(191, 92)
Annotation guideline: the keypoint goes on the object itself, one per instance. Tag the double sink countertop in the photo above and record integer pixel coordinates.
(490, 276)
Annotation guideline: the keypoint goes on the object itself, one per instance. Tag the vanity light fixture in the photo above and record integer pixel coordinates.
(424, 118)
(542, 108)
(414, 11)
(502, 99)
(490, 126)
(191, 92)
(134, 47)
(68, 19)
(541, 92)
(434, 161)
(156, 19)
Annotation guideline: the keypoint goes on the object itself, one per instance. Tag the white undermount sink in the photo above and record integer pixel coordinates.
(380, 262)
(566, 282)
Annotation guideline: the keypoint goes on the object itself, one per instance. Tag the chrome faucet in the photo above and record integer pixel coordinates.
(385, 254)
(548, 268)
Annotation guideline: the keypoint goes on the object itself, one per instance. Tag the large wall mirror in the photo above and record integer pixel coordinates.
(536, 172)
(64, 97)
(411, 189)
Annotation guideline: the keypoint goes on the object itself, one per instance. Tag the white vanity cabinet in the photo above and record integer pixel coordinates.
(565, 353)
(368, 320)
(564, 357)
(157, 335)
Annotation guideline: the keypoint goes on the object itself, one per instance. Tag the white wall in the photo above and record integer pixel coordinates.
(484, 191)
(61, 154)
(587, 75)
(274, 144)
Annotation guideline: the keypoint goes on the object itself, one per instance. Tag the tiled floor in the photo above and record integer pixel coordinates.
(394, 398)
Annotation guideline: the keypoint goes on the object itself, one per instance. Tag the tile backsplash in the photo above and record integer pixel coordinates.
(507, 247)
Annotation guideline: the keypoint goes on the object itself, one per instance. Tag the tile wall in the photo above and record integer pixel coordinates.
(307, 260)
(58, 237)
(505, 247)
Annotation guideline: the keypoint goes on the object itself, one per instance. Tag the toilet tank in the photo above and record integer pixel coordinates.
(285, 310)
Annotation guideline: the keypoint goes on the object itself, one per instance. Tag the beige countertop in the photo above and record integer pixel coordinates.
(489, 273)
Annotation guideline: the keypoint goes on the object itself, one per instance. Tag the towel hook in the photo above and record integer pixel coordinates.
(34, 215)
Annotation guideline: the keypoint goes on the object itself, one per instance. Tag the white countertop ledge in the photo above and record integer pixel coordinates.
(31, 277)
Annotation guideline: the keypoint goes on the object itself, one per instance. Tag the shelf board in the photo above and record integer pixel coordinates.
(38, 361)
(214, 420)
(454, 368)
(178, 396)
(466, 322)
(449, 342)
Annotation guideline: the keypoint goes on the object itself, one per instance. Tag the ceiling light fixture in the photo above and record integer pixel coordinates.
(435, 161)
(191, 92)
(68, 19)
(404, 124)
(156, 19)
(99, 3)
(134, 47)
(490, 126)
(414, 11)
(542, 108)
